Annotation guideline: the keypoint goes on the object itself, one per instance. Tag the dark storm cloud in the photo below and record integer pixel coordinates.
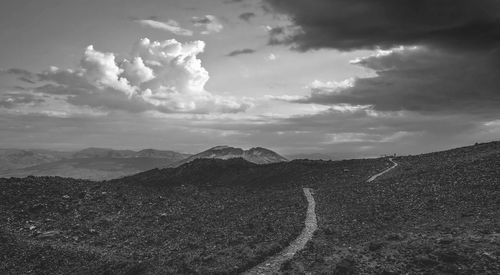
(246, 16)
(367, 24)
(421, 80)
(453, 69)
(240, 52)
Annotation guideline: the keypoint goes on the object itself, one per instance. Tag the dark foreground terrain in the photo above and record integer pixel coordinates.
(208, 216)
(434, 214)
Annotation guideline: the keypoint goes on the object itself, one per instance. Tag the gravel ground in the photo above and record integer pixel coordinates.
(273, 264)
(435, 213)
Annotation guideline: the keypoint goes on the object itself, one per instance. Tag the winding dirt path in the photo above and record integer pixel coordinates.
(383, 172)
(273, 264)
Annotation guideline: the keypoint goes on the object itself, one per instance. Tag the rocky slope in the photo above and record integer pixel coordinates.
(209, 216)
(435, 213)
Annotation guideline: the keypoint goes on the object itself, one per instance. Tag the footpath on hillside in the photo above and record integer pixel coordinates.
(394, 165)
(273, 264)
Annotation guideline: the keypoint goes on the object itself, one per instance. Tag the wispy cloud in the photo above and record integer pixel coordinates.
(23, 75)
(15, 98)
(247, 16)
(170, 26)
(240, 52)
(209, 23)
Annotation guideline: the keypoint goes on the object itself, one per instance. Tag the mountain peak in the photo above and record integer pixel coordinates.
(220, 147)
(256, 155)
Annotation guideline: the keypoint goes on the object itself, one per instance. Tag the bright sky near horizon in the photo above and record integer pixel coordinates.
(295, 76)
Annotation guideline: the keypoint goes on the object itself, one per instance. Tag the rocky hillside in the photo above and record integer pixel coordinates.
(256, 155)
(150, 223)
(435, 213)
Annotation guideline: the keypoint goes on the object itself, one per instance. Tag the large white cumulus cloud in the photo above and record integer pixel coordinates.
(136, 71)
(175, 65)
(101, 70)
(164, 76)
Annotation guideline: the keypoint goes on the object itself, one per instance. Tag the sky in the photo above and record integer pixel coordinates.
(357, 77)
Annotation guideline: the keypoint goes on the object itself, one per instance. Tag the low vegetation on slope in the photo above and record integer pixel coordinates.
(208, 216)
(150, 227)
(436, 213)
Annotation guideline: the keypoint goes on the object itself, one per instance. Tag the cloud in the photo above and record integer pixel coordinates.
(432, 56)
(162, 76)
(247, 16)
(272, 57)
(367, 24)
(170, 26)
(434, 70)
(357, 131)
(13, 99)
(233, 1)
(332, 85)
(101, 70)
(240, 52)
(266, 28)
(22, 75)
(209, 23)
(137, 71)
(419, 79)
(433, 85)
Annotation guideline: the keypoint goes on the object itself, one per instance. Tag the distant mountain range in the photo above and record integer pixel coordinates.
(110, 153)
(104, 163)
(90, 163)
